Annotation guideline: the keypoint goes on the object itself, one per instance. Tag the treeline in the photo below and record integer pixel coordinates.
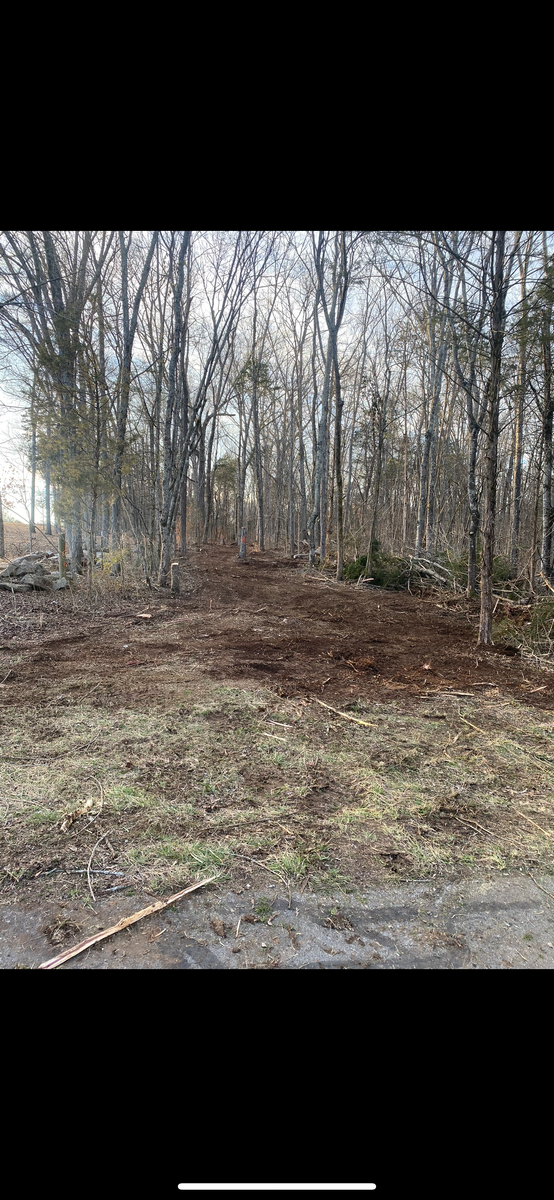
(331, 391)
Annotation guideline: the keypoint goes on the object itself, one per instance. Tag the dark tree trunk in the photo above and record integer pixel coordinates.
(498, 315)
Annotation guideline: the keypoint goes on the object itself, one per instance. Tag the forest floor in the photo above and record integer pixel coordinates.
(322, 749)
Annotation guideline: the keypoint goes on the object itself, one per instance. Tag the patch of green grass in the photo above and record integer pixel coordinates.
(124, 797)
(264, 908)
(196, 855)
(289, 865)
(332, 880)
(505, 632)
(44, 816)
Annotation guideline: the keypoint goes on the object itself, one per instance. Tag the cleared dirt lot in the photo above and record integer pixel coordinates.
(196, 741)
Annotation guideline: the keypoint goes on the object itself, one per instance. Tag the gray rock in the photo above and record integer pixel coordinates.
(39, 581)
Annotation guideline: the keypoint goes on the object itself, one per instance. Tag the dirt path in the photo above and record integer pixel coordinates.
(274, 622)
(201, 735)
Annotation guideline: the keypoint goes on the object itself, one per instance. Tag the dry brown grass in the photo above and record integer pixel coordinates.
(187, 773)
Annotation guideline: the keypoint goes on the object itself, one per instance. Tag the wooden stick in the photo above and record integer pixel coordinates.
(510, 741)
(549, 585)
(481, 827)
(433, 693)
(539, 885)
(487, 831)
(475, 726)
(98, 937)
(520, 814)
(100, 839)
(261, 864)
(347, 716)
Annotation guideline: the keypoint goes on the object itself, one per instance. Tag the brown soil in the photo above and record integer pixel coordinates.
(272, 780)
(269, 621)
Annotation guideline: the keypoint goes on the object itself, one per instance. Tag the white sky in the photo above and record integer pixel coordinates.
(15, 479)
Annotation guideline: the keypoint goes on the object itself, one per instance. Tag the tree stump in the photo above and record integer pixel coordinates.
(175, 578)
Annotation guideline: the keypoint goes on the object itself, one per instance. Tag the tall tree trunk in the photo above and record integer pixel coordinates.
(325, 481)
(291, 469)
(183, 517)
(518, 416)
(473, 510)
(33, 478)
(257, 456)
(302, 475)
(497, 323)
(48, 524)
(405, 488)
(209, 482)
(430, 531)
(130, 319)
(517, 466)
(185, 406)
(171, 489)
(534, 540)
(201, 488)
(547, 425)
(321, 454)
(438, 348)
(350, 462)
(338, 467)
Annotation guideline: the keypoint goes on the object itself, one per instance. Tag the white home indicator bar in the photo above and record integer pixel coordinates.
(277, 1187)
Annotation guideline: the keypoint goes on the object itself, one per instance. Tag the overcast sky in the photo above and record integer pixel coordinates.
(13, 472)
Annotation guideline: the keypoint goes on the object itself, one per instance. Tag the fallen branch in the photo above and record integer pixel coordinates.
(475, 726)
(477, 827)
(347, 716)
(539, 885)
(100, 839)
(520, 814)
(487, 831)
(441, 693)
(261, 864)
(509, 741)
(549, 585)
(286, 883)
(98, 937)
(437, 566)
